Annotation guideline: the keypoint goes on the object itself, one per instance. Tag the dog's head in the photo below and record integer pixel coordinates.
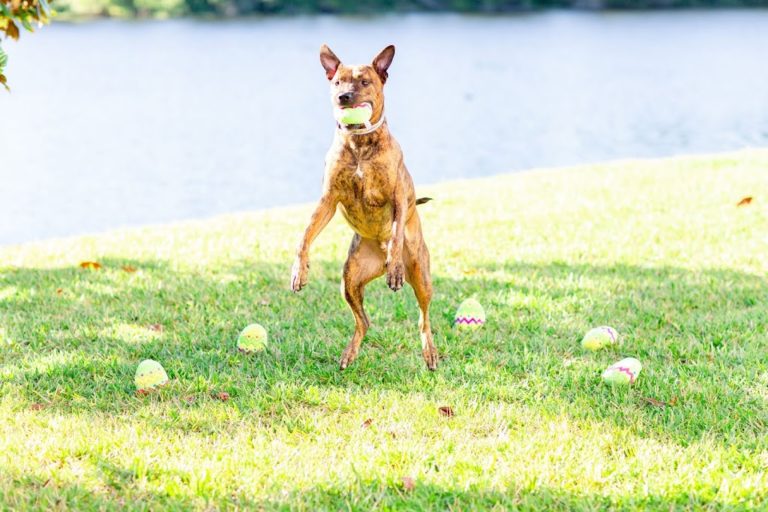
(353, 85)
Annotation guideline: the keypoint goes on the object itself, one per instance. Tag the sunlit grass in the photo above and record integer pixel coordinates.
(657, 249)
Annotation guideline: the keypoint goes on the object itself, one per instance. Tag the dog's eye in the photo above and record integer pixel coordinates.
(365, 83)
(337, 82)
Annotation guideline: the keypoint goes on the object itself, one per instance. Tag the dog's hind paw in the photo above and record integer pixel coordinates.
(347, 357)
(430, 357)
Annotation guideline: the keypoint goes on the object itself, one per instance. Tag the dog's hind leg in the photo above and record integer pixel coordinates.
(365, 262)
(417, 274)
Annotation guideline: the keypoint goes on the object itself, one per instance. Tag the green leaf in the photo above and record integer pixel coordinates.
(27, 24)
(3, 59)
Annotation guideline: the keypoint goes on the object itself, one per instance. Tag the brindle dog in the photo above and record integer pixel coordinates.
(365, 177)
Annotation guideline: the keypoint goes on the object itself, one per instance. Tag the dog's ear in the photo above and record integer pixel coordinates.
(329, 60)
(382, 62)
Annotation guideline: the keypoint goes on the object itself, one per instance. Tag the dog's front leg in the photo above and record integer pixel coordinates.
(395, 267)
(320, 218)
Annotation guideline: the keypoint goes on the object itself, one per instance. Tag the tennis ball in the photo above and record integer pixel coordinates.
(625, 371)
(470, 315)
(359, 114)
(252, 339)
(150, 375)
(600, 337)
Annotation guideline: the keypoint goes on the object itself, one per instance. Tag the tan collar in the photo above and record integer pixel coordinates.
(369, 128)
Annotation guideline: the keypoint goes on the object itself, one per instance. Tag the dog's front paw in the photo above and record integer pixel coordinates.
(299, 274)
(395, 275)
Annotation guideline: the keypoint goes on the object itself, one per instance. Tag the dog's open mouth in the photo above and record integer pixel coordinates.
(357, 114)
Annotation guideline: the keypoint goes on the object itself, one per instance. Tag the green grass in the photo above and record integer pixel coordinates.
(657, 249)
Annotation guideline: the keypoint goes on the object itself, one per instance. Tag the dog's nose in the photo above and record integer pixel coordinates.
(346, 98)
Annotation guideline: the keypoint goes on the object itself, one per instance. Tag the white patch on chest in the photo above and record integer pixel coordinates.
(359, 171)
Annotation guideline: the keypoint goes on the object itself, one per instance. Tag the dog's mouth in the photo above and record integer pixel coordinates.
(353, 115)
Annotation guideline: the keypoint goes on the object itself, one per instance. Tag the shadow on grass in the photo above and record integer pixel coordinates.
(32, 493)
(73, 338)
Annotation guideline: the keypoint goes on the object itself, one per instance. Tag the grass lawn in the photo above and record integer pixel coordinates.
(657, 249)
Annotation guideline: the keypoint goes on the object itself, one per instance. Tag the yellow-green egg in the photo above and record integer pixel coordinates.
(469, 315)
(150, 375)
(252, 339)
(625, 371)
(600, 337)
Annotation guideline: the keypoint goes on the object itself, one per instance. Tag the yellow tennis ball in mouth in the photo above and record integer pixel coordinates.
(359, 114)
(150, 375)
(252, 339)
(625, 371)
(600, 337)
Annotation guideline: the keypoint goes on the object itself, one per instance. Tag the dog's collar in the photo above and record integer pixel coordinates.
(369, 128)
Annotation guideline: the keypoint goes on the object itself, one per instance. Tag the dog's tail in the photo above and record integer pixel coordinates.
(423, 200)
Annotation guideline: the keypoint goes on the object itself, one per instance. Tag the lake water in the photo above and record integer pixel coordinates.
(123, 123)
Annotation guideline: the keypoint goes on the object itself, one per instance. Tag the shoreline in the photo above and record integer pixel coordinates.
(421, 188)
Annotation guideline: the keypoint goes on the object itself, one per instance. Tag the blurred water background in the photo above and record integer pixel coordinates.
(114, 123)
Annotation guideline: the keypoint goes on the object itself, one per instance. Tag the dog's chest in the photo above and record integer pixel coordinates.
(369, 184)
